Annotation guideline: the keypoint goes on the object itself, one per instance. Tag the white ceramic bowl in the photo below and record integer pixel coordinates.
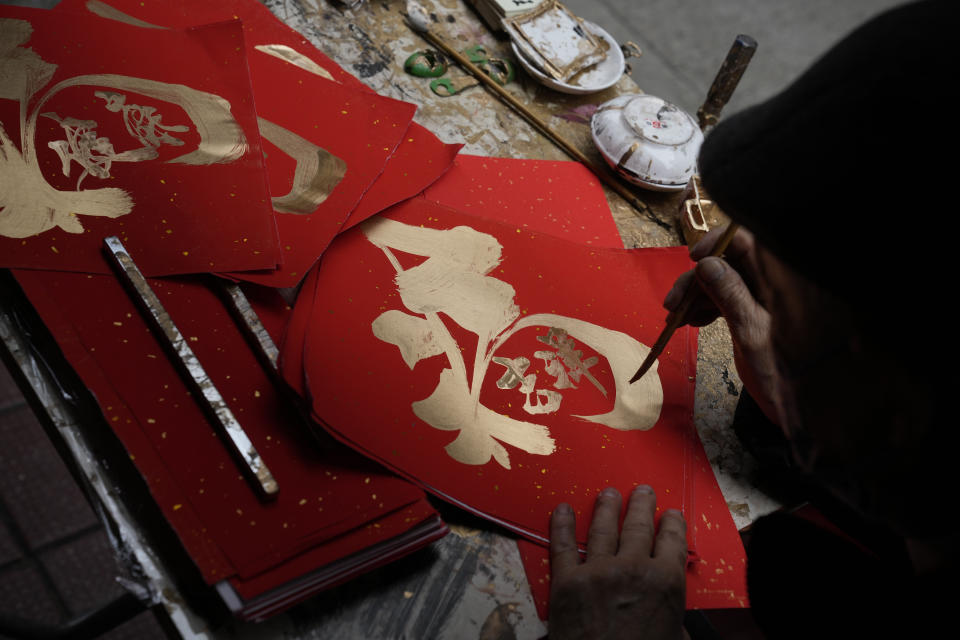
(647, 140)
(602, 75)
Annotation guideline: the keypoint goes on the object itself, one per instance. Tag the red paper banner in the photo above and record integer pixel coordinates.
(557, 197)
(371, 154)
(150, 135)
(435, 377)
(564, 199)
(326, 491)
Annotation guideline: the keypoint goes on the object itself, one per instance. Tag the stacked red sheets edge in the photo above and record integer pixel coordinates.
(535, 198)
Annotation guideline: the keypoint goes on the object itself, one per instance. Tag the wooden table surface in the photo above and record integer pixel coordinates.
(471, 584)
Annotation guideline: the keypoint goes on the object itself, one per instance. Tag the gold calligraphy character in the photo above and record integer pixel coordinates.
(513, 376)
(566, 363)
(454, 281)
(29, 204)
(143, 123)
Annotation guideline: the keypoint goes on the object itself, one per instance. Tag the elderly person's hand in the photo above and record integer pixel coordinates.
(632, 583)
(733, 288)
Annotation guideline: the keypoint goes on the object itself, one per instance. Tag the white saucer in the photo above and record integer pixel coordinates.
(602, 75)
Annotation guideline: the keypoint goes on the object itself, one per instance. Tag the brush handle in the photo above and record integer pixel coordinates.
(677, 317)
(728, 77)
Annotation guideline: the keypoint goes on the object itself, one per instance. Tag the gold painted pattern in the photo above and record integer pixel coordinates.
(317, 173)
(104, 10)
(221, 138)
(453, 280)
(411, 335)
(28, 204)
(96, 154)
(294, 57)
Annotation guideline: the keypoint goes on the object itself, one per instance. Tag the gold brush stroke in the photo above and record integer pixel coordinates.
(104, 10)
(637, 406)
(450, 408)
(453, 281)
(410, 334)
(22, 71)
(317, 174)
(221, 138)
(449, 281)
(294, 57)
(29, 205)
(550, 404)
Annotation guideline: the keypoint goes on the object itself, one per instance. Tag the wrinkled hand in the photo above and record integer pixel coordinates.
(632, 585)
(732, 285)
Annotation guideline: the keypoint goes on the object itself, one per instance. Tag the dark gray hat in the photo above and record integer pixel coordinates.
(851, 166)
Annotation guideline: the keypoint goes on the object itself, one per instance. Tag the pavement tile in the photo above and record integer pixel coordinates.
(10, 395)
(24, 594)
(684, 41)
(9, 549)
(84, 571)
(143, 627)
(35, 486)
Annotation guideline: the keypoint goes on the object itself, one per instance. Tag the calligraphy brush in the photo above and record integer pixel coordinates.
(678, 317)
(418, 19)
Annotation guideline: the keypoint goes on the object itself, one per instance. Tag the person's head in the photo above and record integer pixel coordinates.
(868, 417)
(842, 178)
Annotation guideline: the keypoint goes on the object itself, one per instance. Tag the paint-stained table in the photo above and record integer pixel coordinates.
(470, 584)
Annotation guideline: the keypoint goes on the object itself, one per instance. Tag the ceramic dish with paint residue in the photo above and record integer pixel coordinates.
(600, 76)
(555, 40)
(648, 141)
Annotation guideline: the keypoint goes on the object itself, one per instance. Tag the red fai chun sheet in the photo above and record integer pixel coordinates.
(566, 200)
(490, 364)
(336, 152)
(556, 197)
(149, 135)
(333, 505)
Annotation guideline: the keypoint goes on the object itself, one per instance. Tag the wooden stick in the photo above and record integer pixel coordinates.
(601, 172)
(678, 317)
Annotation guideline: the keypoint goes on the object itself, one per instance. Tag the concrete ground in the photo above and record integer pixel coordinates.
(684, 41)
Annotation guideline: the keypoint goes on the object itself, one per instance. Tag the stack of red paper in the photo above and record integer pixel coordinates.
(470, 334)
(489, 360)
(232, 147)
